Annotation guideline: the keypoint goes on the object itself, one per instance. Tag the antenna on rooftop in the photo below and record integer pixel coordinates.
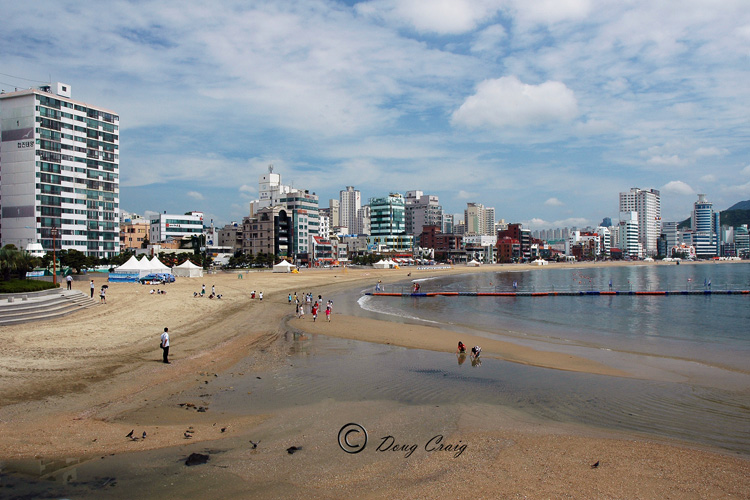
(270, 168)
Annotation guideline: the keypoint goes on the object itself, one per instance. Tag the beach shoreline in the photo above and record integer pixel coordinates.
(70, 381)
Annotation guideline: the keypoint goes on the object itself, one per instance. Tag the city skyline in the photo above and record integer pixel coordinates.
(545, 112)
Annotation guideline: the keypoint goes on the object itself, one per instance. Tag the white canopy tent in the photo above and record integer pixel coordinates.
(188, 270)
(158, 267)
(473, 263)
(131, 266)
(540, 262)
(283, 267)
(381, 264)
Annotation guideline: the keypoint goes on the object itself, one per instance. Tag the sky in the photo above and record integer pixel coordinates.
(543, 109)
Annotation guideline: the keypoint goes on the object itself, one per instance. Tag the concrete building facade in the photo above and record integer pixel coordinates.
(59, 171)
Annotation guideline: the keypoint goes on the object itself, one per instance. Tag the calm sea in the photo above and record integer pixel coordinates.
(709, 328)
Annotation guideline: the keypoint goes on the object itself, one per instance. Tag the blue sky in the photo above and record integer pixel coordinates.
(543, 109)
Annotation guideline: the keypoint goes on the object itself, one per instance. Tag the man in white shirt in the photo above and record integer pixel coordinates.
(69, 280)
(165, 344)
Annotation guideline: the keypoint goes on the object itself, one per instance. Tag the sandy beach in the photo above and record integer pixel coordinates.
(75, 386)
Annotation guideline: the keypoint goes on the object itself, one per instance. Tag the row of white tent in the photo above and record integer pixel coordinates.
(154, 266)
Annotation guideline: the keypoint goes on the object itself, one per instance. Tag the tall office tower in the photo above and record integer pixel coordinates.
(301, 209)
(647, 204)
(333, 212)
(350, 200)
(704, 228)
(388, 222)
(422, 210)
(671, 233)
(474, 219)
(59, 161)
(741, 240)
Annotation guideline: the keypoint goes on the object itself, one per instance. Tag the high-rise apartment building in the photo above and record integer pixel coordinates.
(59, 172)
(479, 220)
(350, 200)
(647, 205)
(628, 237)
(422, 210)
(333, 212)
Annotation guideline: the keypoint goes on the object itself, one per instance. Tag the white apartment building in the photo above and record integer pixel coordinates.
(165, 227)
(628, 235)
(59, 164)
(422, 210)
(647, 205)
(350, 201)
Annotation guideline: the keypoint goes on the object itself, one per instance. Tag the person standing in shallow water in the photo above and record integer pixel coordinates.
(165, 345)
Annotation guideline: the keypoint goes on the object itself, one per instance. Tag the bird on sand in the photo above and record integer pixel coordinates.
(292, 449)
(187, 436)
(594, 466)
(130, 434)
(144, 434)
(255, 445)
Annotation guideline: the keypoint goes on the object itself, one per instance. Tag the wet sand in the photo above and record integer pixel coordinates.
(73, 387)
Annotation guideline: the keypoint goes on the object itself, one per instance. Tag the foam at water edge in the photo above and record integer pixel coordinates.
(367, 303)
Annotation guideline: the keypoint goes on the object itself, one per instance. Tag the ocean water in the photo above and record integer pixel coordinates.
(707, 328)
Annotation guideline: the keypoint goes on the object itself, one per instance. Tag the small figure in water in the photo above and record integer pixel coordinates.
(475, 351)
(461, 348)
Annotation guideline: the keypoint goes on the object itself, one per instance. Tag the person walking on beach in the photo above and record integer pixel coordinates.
(301, 311)
(69, 281)
(165, 345)
(103, 296)
(290, 298)
(213, 290)
(260, 295)
(203, 289)
(92, 289)
(328, 312)
(315, 312)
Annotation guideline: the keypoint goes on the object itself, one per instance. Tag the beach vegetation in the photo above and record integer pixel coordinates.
(24, 285)
(15, 263)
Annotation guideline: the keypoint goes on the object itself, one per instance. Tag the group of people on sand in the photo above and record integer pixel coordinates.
(314, 305)
(475, 352)
(157, 291)
(202, 293)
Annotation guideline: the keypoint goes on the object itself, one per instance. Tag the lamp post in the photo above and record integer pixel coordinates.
(54, 233)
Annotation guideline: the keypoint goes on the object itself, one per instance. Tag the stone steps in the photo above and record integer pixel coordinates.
(40, 306)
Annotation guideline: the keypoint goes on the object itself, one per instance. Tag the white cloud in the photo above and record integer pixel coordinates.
(194, 195)
(711, 151)
(465, 195)
(551, 11)
(678, 188)
(708, 178)
(553, 202)
(436, 16)
(489, 39)
(745, 171)
(667, 160)
(507, 102)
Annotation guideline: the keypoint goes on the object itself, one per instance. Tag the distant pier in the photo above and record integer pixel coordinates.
(561, 293)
